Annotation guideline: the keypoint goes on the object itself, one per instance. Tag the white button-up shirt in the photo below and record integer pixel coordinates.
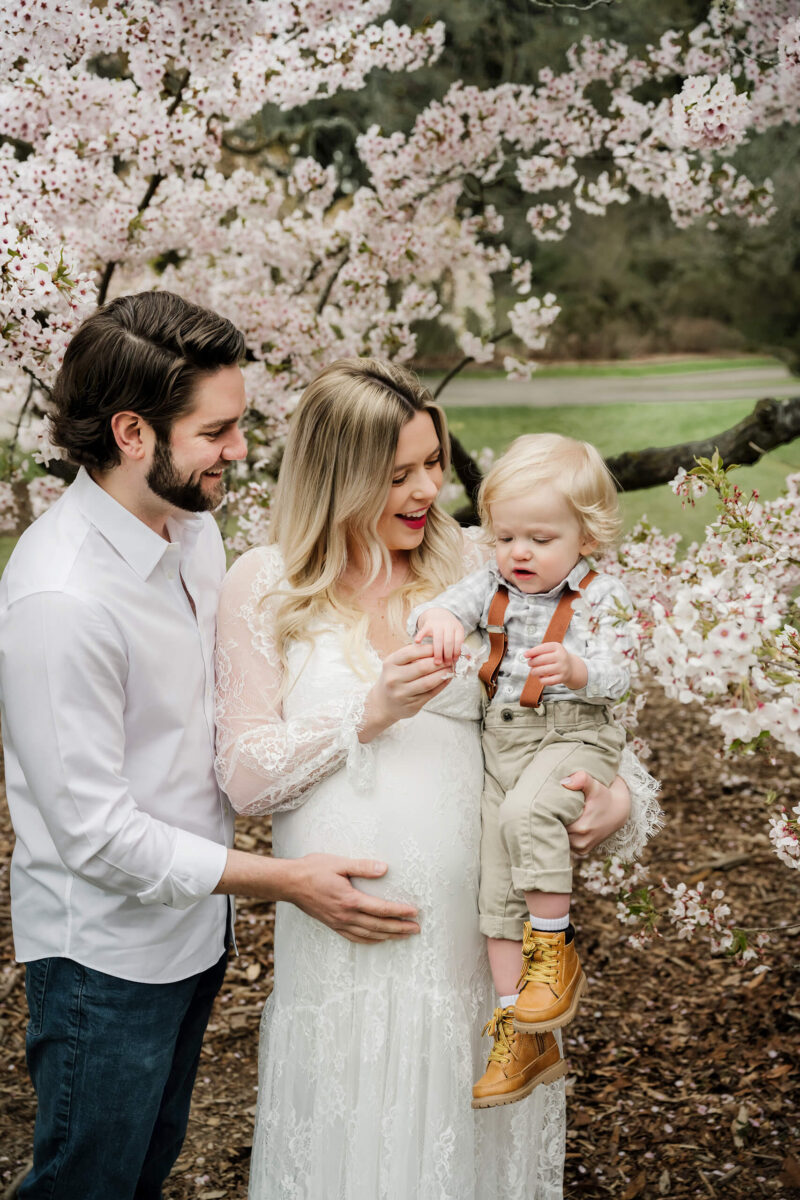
(107, 702)
(596, 633)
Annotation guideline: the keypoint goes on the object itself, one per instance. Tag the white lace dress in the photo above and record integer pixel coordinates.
(368, 1053)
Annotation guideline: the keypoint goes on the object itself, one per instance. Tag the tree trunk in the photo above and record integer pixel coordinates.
(771, 423)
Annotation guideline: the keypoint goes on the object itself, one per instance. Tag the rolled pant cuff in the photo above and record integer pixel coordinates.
(525, 880)
(507, 928)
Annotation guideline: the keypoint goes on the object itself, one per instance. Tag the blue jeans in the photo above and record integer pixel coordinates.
(113, 1064)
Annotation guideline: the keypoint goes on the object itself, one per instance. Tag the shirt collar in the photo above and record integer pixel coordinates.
(140, 546)
(578, 572)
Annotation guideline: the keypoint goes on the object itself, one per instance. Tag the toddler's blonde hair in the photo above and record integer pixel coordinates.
(575, 468)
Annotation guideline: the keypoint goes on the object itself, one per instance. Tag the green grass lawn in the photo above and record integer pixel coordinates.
(614, 428)
(617, 370)
(7, 544)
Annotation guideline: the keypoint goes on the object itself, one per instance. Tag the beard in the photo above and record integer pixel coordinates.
(183, 492)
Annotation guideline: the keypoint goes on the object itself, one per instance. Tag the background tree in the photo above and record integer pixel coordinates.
(150, 145)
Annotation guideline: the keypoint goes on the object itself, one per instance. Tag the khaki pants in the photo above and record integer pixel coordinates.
(524, 809)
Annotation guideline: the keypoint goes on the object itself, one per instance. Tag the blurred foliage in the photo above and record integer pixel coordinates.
(629, 283)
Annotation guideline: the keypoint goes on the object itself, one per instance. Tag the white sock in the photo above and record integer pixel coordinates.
(504, 1001)
(549, 924)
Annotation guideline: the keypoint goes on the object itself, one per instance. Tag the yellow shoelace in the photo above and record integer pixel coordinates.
(540, 960)
(500, 1027)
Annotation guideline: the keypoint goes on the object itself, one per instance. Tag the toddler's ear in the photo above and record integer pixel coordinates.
(587, 546)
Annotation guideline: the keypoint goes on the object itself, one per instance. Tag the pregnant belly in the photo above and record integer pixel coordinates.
(420, 813)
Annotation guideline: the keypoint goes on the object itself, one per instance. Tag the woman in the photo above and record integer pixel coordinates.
(360, 744)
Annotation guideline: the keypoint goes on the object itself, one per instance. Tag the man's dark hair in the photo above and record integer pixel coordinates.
(142, 354)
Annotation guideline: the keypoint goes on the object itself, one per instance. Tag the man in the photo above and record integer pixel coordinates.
(122, 866)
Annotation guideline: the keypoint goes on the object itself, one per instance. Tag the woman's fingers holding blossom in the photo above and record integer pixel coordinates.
(410, 653)
(431, 682)
(409, 678)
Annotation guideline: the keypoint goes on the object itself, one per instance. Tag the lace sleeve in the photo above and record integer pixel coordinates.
(264, 762)
(646, 817)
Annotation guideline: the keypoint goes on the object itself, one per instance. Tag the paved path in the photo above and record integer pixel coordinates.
(736, 383)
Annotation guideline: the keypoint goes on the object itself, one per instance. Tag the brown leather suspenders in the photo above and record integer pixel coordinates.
(498, 639)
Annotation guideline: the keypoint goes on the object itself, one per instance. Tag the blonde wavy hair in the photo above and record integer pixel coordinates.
(575, 468)
(333, 486)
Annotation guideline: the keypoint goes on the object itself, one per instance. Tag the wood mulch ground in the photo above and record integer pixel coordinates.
(683, 1069)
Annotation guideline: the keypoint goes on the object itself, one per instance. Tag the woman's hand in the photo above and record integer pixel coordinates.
(606, 810)
(410, 678)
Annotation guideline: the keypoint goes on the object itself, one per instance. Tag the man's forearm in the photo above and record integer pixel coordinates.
(321, 886)
(258, 876)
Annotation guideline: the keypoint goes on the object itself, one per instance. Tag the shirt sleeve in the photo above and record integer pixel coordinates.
(466, 600)
(63, 674)
(267, 761)
(608, 675)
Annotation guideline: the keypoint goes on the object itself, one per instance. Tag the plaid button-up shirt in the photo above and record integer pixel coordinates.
(596, 633)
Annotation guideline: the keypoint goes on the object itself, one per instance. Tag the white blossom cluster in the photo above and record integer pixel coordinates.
(42, 294)
(709, 114)
(784, 833)
(715, 627)
(689, 910)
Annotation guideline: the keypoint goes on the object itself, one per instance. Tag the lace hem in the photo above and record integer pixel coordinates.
(647, 815)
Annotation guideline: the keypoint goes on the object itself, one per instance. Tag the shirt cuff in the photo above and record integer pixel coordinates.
(196, 869)
(596, 686)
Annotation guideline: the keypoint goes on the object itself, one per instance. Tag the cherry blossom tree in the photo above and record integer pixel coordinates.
(116, 176)
(118, 172)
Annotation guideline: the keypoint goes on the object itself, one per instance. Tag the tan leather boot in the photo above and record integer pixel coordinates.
(551, 983)
(518, 1062)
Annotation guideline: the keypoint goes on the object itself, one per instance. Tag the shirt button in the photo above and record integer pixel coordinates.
(507, 714)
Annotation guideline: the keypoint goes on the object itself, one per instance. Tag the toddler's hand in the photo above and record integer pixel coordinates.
(445, 631)
(552, 664)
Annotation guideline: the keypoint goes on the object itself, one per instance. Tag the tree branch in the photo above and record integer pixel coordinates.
(152, 188)
(40, 384)
(102, 291)
(22, 149)
(469, 476)
(20, 418)
(334, 275)
(465, 362)
(766, 928)
(771, 423)
(235, 146)
(578, 7)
